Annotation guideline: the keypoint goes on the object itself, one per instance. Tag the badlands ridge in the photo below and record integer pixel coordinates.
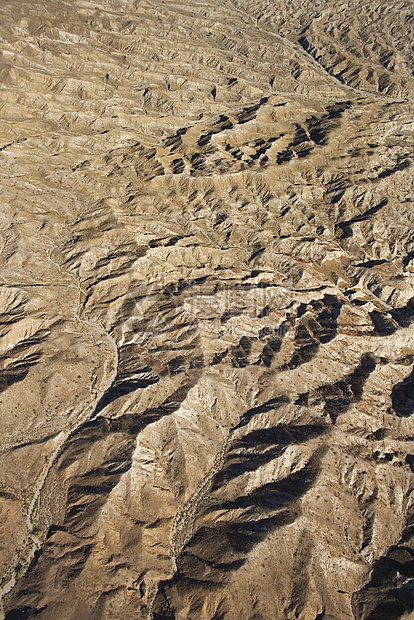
(206, 310)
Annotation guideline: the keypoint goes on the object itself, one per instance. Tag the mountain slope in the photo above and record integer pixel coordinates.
(206, 313)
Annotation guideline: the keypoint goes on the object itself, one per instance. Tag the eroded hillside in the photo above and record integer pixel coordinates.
(206, 310)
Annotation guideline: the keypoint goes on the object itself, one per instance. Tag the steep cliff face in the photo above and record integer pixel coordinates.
(206, 310)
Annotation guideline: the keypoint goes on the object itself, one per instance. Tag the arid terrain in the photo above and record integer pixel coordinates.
(206, 310)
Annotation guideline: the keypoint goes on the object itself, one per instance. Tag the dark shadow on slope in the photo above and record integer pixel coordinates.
(17, 370)
(319, 325)
(344, 230)
(273, 403)
(383, 325)
(260, 447)
(339, 396)
(320, 128)
(218, 547)
(86, 493)
(124, 387)
(402, 397)
(389, 593)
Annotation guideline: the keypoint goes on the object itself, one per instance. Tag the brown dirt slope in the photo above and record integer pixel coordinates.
(206, 310)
